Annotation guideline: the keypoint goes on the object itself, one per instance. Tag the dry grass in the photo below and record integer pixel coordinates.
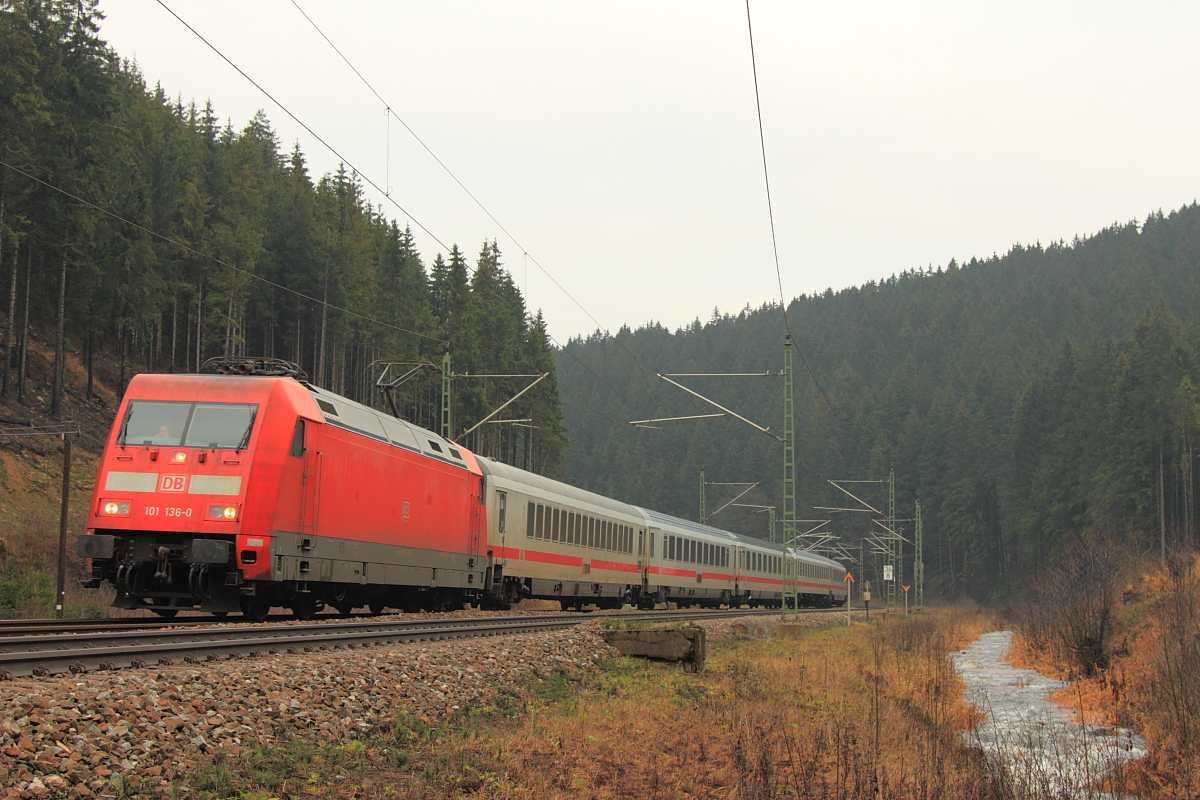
(861, 712)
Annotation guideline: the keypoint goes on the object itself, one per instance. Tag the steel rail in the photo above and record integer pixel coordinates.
(86, 652)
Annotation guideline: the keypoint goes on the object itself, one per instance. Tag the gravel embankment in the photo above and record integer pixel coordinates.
(72, 735)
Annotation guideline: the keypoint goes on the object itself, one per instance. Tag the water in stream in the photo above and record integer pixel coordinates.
(1043, 752)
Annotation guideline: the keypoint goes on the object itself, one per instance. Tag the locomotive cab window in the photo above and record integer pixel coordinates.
(173, 424)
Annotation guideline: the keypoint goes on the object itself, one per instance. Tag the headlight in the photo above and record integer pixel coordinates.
(222, 512)
(178, 457)
(114, 508)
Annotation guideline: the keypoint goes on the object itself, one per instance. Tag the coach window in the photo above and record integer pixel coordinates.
(554, 525)
(570, 537)
(541, 521)
(298, 439)
(503, 510)
(531, 521)
(652, 544)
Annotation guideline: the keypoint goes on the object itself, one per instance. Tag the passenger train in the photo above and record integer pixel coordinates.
(244, 492)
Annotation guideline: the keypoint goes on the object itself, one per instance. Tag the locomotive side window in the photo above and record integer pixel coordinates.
(502, 512)
(532, 520)
(297, 450)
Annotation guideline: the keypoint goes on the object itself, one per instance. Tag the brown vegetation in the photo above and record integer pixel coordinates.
(1150, 678)
(871, 711)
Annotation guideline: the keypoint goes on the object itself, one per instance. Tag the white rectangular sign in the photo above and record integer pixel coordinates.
(888, 569)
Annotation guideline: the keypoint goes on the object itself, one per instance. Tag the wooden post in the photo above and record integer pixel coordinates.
(60, 596)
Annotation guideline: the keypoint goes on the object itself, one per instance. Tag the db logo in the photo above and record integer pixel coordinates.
(407, 509)
(172, 483)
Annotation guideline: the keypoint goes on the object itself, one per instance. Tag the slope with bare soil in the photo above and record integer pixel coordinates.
(31, 481)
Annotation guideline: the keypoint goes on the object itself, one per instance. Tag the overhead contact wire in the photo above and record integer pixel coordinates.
(762, 140)
(301, 123)
(476, 200)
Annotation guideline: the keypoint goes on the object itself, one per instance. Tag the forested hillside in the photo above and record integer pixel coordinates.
(1023, 398)
(138, 225)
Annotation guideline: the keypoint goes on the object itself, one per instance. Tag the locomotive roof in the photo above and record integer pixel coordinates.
(346, 413)
(551, 486)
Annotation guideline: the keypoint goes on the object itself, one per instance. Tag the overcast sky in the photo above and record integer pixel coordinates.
(618, 141)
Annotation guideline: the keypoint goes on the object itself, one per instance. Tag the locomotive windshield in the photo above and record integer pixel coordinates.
(171, 424)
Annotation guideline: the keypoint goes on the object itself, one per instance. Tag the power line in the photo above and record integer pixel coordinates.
(214, 259)
(476, 200)
(771, 214)
(300, 122)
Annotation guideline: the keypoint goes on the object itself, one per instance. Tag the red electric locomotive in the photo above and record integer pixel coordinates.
(257, 490)
(225, 492)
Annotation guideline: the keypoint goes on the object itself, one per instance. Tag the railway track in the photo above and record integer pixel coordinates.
(17, 627)
(81, 652)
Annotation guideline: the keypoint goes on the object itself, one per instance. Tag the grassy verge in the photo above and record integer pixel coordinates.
(858, 712)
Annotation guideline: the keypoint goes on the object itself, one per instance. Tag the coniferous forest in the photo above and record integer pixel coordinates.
(278, 262)
(1027, 400)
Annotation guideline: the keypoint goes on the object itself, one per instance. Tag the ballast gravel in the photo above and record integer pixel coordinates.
(72, 735)
(76, 735)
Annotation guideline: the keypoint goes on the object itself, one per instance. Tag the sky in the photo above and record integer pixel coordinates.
(617, 143)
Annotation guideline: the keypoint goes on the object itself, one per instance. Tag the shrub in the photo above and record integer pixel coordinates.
(1070, 610)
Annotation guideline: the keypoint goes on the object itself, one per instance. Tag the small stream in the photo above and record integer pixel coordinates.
(1043, 752)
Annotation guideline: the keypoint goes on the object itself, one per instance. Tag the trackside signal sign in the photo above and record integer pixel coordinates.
(848, 579)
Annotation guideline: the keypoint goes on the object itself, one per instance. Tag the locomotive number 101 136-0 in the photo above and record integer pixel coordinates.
(167, 511)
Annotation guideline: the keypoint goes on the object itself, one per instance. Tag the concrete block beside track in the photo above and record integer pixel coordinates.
(686, 645)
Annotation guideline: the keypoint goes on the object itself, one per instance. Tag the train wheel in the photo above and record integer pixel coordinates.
(376, 607)
(304, 608)
(166, 613)
(256, 608)
(219, 613)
